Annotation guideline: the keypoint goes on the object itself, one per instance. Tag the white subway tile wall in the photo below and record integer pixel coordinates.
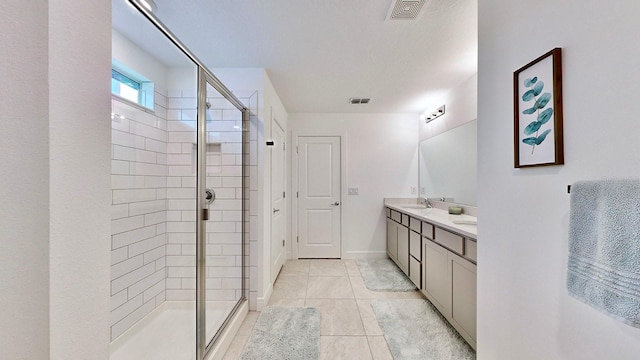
(224, 175)
(153, 204)
(138, 212)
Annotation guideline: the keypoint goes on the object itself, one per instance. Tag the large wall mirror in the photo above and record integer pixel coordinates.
(448, 165)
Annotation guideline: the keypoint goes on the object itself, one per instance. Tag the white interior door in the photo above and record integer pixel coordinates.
(277, 200)
(319, 203)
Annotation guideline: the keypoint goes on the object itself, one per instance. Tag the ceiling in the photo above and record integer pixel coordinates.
(320, 53)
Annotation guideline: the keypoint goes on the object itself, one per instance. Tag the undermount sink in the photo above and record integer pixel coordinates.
(416, 206)
(463, 219)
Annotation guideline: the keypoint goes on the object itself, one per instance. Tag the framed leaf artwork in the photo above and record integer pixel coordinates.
(537, 102)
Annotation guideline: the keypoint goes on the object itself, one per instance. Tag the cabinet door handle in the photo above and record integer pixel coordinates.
(335, 204)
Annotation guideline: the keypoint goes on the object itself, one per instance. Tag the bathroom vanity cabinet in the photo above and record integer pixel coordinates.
(440, 261)
(398, 240)
(450, 285)
(392, 239)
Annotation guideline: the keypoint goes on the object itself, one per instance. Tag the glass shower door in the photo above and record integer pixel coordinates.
(221, 251)
(180, 196)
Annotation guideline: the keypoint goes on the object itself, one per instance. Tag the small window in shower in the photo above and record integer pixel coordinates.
(132, 88)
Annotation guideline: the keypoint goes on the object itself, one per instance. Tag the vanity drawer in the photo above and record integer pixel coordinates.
(449, 240)
(415, 245)
(427, 230)
(415, 224)
(388, 212)
(405, 220)
(396, 216)
(415, 272)
(471, 250)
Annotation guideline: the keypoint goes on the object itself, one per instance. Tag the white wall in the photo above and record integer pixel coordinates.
(461, 107)
(79, 177)
(24, 178)
(524, 311)
(242, 81)
(273, 108)
(276, 112)
(179, 78)
(133, 57)
(381, 156)
(55, 218)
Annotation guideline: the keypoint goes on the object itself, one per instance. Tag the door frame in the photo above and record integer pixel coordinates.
(343, 186)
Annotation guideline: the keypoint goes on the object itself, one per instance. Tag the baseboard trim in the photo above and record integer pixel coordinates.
(365, 255)
(264, 301)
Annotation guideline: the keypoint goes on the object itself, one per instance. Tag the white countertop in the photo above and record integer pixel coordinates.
(438, 217)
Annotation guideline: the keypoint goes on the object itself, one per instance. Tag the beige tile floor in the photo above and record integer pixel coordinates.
(348, 326)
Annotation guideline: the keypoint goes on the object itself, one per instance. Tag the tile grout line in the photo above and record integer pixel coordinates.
(360, 314)
(369, 344)
(306, 293)
(306, 299)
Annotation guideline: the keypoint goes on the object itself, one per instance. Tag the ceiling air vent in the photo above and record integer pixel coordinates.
(355, 101)
(405, 9)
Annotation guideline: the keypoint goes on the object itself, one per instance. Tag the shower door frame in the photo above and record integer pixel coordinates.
(205, 77)
(203, 347)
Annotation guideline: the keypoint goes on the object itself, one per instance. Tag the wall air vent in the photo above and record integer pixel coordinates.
(354, 101)
(405, 9)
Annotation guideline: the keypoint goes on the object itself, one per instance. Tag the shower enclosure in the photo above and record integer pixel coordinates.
(180, 199)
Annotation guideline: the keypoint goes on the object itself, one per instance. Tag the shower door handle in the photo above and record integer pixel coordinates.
(209, 196)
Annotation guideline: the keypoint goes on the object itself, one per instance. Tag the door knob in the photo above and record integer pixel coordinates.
(275, 210)
(335, 204)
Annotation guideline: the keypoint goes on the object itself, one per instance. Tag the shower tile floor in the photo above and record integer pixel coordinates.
(348, 326)
(169, 332)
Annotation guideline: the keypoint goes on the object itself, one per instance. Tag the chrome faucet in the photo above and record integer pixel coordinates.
(427, 203)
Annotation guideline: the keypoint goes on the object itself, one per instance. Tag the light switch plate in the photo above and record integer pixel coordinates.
(353, 191)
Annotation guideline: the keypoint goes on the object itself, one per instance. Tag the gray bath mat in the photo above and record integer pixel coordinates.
(285, 333)
(384, 275)
(414, 329)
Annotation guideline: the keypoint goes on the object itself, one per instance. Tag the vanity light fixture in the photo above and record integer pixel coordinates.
(430, 116)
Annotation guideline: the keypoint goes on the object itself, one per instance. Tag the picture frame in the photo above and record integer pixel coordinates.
(537, 104)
